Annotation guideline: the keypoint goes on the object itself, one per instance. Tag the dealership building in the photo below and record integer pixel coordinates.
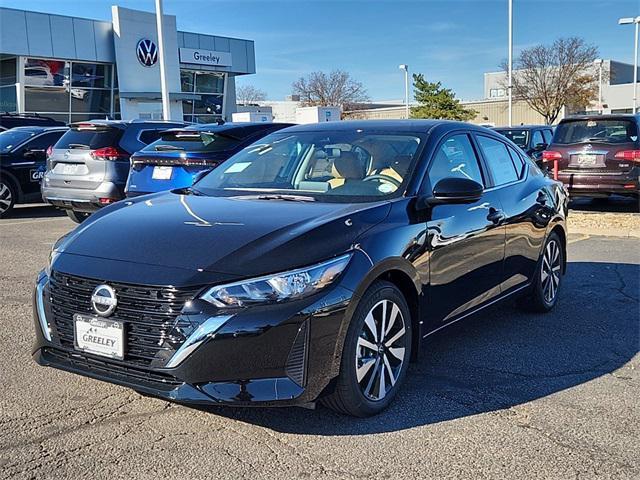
(75, 69)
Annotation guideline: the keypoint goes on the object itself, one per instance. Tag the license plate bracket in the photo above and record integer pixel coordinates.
(587, 159)
(99, 336)
(162, 173)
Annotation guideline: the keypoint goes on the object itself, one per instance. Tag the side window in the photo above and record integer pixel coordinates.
(455, 157)
(537, 138)
(149, 136)
(518, 161)
(548, 134)
(498, 160)
(43, 142)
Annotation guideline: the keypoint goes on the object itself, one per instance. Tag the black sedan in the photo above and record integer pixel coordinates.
(308, 266)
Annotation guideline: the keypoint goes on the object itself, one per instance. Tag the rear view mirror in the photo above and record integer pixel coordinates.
(540, 147)
(455, 190)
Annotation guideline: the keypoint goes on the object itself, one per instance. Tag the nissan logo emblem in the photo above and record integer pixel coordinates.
(103, 300)
(147, 52)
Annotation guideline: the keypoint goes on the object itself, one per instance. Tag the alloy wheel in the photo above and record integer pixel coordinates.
(550, 274)
(6, 198)
(380, 350)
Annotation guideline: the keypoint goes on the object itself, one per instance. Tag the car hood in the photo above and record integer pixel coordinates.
(228, 235)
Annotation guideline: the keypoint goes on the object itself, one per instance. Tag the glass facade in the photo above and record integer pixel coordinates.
(68, 90)
(8, 79)
(210, 87)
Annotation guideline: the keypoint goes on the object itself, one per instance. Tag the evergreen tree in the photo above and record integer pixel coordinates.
(435, 101)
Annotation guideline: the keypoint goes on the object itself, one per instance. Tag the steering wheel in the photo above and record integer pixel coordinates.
(384, 178)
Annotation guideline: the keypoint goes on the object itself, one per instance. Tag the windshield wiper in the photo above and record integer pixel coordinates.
(167, 147)
(79, 146)
(287, 198)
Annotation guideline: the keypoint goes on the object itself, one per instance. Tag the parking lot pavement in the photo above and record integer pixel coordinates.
(501, 395)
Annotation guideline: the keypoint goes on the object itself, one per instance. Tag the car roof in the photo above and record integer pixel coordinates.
(222, 127)
(125, 123)
(413, 126)
(38, 129)
(609, 116)
(521, 127)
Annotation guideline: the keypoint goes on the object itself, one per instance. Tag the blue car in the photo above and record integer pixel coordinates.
(183, 155)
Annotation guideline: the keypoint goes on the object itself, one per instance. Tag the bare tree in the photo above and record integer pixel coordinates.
(329, 89)
(248, 94)
(549, 77)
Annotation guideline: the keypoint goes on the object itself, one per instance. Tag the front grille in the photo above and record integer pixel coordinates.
(149, 314)
(111, 370)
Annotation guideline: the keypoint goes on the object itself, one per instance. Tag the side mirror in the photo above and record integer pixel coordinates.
(200, 175)
(540, 147)
(453, 190)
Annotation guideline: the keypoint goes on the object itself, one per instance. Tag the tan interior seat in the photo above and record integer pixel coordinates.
(398, 167)
(347, 167)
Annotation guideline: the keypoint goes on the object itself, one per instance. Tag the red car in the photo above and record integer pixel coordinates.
(597, 155)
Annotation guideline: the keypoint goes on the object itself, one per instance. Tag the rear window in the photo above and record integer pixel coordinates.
(90, 139)
(518, 136)
(596, 130)
(193, 141)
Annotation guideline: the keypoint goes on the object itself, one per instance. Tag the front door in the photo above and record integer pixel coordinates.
(466, 241)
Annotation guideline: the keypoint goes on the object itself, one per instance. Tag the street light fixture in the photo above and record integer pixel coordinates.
(405, 67)
(636, 21)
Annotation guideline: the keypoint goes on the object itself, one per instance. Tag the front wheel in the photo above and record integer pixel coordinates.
(546, 285)
(376, 353)
(77, 217)
(7, 197)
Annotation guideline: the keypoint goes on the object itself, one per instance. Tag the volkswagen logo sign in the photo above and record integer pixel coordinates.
(147, 52)
(103, 300)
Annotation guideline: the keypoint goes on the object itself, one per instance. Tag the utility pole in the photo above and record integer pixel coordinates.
(166, 115)
(510, 79)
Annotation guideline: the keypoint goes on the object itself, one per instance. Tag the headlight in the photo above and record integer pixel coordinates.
(276, 288)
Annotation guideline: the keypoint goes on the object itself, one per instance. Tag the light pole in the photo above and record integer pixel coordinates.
(598, 62)
(510, 61)
(163, 71)
(405, 67)
(636, 21)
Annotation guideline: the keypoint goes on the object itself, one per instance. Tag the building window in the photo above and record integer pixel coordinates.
(8, 79)
(209, 86)
(79, 90)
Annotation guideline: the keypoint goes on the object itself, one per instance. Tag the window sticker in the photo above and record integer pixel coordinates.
(237, 167)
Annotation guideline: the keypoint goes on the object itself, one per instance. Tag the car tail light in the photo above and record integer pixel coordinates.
(551, 155)
(106, 201)
(630, 155)
(109, 153)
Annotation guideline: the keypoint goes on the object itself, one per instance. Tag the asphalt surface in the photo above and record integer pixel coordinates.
(501, 395)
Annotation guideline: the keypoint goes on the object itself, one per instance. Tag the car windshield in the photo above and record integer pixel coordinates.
(193, 141)
(9, 139)
(318, 166)
(596, 130)
(519, 137)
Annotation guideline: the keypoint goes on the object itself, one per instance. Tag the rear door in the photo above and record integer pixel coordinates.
(595, 145)
(30, 166)
(76, 160)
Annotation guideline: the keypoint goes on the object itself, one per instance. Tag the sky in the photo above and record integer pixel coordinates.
(452, 41)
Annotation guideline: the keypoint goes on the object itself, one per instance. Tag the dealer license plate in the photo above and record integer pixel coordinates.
(162, 173)
(587, 159)
(99, 336)
(67, 168)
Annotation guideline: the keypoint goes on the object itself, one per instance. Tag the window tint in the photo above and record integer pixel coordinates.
(537, 138)
(90, 138)
(517, 136)
(603, 130)
(44, 141)
(518, 161)
(149, 136)
(455, 158)
(548, 134)
(498, 160)
(193, 141)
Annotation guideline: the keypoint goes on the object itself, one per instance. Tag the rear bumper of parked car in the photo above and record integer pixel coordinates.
(83, 200)
(273, 355)
(601, 183)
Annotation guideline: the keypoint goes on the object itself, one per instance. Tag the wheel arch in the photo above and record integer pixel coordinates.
(14, 183)
(560, 231)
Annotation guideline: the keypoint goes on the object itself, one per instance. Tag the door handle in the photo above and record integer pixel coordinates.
(496, 216)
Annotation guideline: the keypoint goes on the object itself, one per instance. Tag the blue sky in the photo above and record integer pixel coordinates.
(452, 41)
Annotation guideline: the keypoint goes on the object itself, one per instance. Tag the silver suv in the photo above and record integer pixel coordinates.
(88, 167)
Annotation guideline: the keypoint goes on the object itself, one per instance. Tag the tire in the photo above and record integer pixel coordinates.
(77, 217)
(380, 365)
(543, 295)
(8, 196)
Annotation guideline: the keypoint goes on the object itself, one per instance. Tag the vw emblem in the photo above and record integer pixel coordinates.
(103, 300)
(147, 52)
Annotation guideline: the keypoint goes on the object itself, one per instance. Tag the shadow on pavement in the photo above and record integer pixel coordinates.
(497, 359)
(39, 210)
(613, 204)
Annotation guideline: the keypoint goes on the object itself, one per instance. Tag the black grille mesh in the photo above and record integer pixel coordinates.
(153, 331)
(296, 368)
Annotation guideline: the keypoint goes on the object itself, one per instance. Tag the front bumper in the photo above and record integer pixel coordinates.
(600, 183)
(275, 355)
(82, 200)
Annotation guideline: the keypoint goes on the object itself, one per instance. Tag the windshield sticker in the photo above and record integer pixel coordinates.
(591, 123)
(386, 188)
(237, 167)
